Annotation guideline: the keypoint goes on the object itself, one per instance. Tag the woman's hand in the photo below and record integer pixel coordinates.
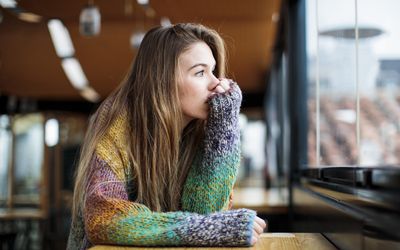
(223, 85)
(226, 89)
(258, 229)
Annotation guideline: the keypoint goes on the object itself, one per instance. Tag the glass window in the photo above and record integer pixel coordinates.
(28, 157)
(354, 82)
(251, 172)
(379, 76)
(5, 153)
(332, 82)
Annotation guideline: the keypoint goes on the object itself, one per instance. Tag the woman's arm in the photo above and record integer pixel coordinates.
(110, 218)
(213, 173)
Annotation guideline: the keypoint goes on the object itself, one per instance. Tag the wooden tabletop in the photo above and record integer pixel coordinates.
(271, 201)
(275, 241)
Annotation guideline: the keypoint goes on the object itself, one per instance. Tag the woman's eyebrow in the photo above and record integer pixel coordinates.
(199, 64)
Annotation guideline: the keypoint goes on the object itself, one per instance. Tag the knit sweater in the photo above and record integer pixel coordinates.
(109, 217)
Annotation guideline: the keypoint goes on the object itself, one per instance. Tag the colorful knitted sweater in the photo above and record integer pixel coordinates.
(109, 217)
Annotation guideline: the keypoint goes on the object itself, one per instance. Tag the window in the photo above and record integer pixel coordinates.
(353, 82)
(5, 153)
(28, 158)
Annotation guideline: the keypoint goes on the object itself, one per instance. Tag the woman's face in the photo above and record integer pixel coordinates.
(196, 81)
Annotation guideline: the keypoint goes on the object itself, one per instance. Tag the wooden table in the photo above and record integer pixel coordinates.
(273, 241)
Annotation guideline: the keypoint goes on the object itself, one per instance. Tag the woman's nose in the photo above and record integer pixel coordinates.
(213, 83)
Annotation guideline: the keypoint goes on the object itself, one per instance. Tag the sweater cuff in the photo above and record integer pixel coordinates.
(230, 228)
(250, 227)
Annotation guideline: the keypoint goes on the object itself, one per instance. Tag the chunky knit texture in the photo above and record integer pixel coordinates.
(109, 217)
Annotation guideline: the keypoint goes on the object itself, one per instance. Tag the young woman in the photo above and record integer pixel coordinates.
(162, 152)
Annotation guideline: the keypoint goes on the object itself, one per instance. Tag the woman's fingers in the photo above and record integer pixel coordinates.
(260, 222)
(224, 83)
(257, 227)
(223, 86)
(253, 240)
(219, 89)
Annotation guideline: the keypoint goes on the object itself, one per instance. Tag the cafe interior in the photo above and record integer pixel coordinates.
(319, 121)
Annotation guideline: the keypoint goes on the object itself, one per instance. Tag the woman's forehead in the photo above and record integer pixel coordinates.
(197, 53)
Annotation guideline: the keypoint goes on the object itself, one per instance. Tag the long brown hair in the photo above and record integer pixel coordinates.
(160, 154)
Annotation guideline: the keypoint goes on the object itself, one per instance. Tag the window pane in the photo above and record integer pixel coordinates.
(29, 150)
(251, 171)
(311, 41)
(332, 66)
(379, 70)
(5, 151)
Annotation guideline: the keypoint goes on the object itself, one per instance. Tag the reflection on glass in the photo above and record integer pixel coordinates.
(29, 150)
(5, 150)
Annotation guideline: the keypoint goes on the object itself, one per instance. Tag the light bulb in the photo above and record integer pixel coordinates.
(136, 39)
(51, 132)
(90, 21)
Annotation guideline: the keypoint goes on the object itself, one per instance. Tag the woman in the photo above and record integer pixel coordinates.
(161, 154)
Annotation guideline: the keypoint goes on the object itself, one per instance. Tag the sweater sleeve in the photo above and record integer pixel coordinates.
(212, 175)
(110, 218)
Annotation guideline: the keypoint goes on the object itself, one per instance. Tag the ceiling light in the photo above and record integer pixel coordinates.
(165, 22)
(275, 17)
(61, 39)
(29, 17)
(51, 132)
(8, 3)
(90, 94)
(90, 20)
(74, 72)
(143, 2)
(136, 39)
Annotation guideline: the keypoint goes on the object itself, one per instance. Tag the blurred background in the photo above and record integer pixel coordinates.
(320, 118)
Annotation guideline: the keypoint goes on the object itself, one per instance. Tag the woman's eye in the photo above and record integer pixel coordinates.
(200, 73)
